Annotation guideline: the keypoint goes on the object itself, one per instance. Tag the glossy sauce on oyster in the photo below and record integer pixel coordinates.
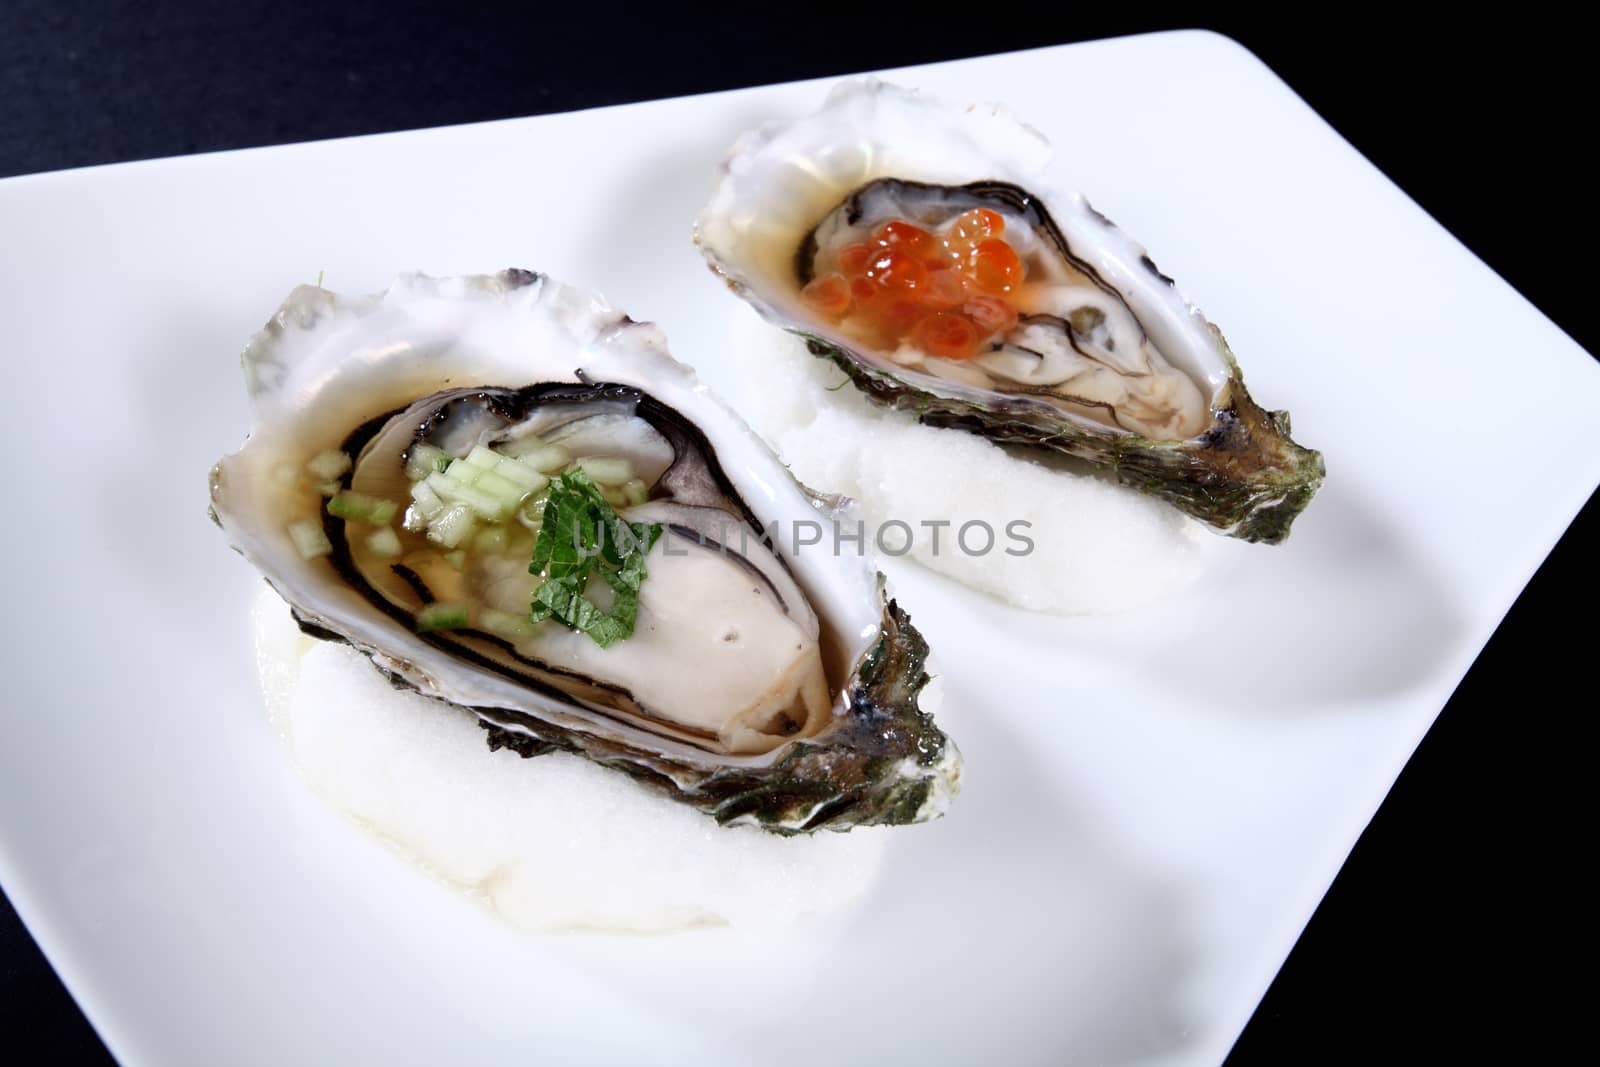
(974, 284)
(404, 469)
(756, 677)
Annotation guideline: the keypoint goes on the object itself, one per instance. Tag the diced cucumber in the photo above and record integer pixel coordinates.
(636, 491)
(455, 492)
(424, 459)
(464, 473)
(453, 526)
(427, 502)
(384, 543)
(503, 489)
(325, 466)
(604, 470)
(415, 520)
(522, 474)
(486, 458)
(614, 496)
(309, 539)
(353, 505)
(492, 541)
(441, 617)
(532, 452)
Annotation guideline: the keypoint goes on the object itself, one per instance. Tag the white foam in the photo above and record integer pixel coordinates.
(1098, 548)
(551, 843)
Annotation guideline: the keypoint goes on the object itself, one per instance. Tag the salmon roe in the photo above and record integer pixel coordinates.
(945, 290)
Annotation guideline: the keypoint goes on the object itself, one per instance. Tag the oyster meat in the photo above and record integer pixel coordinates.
(921, 248)
(400, 490)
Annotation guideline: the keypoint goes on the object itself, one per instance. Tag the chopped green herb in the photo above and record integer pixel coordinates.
(582, 536)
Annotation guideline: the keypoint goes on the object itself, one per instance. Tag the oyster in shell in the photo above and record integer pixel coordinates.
(921, 248)
(403, 469)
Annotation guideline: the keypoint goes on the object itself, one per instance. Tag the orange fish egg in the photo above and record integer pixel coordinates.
(899, 314)
(944, 289)
(828, 294)
(894, 269)
(945, 253)
(991, 314)
(852, 259)
(978, 224)
(947, 335)
(913, 240)
(996, 266)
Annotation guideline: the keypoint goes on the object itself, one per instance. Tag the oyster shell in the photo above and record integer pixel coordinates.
(1084, 347)
(762, 683)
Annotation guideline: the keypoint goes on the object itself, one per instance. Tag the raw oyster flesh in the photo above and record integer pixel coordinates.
(921, 248)
(412, 447)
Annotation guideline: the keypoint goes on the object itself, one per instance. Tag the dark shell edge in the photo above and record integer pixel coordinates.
(859, 774)
(1244, 475)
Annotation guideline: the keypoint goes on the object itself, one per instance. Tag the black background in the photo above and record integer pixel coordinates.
(1444, 933)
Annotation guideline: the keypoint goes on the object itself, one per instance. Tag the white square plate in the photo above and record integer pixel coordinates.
(1154, 803)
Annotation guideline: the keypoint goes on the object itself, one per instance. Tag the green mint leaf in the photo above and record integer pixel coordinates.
(581, 537)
